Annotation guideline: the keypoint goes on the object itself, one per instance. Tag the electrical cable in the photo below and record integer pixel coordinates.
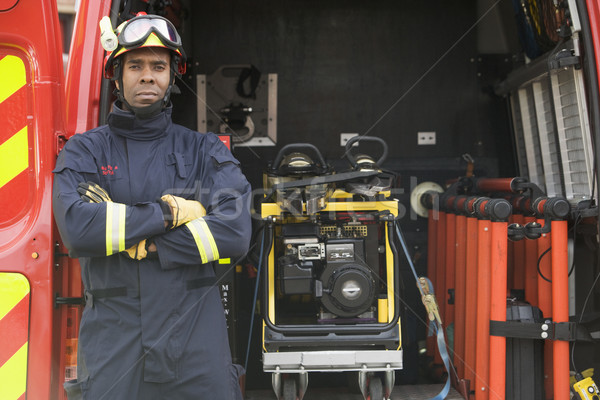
(538, 265)
(574, 229)
(254, 302)
(587, 298)
(553, 15)
(540, 24)
(252, 256)
(577, 219)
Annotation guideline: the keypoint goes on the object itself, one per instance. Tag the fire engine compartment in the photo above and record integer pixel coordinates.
(448, 87)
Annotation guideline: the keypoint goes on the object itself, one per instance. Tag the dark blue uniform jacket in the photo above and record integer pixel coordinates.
(153, 328)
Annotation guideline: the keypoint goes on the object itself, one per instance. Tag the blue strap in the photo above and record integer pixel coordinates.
(441, 340)
(441, 343)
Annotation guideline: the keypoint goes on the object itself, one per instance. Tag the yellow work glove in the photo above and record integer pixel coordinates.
(137, 251)
(92, 192)
(182, 210)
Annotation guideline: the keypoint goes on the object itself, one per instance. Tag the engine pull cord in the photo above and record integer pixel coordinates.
(430, 303)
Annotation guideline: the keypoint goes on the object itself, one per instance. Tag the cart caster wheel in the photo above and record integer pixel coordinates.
(375, 389)
(290, 391)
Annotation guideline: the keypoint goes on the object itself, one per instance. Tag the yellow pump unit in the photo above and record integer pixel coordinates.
(330, 271)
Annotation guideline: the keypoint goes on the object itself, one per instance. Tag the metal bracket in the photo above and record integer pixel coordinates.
(564, 59)
(74, 301)
(566, 331)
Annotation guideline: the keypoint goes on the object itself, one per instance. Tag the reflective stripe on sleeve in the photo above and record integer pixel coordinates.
(204, 240)
(115, 227)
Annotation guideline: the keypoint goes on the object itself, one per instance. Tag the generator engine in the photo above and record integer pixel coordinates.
(334, 266)
(330, 270)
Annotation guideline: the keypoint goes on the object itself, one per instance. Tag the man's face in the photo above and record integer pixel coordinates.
(146, 75)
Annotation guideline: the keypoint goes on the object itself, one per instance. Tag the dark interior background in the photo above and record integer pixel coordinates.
(389, 69)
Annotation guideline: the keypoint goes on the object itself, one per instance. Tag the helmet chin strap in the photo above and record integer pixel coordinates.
(146, 111)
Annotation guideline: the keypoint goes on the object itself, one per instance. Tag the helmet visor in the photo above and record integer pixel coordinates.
(136, 31)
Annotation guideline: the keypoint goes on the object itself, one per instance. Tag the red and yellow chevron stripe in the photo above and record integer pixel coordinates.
(15, 140)
(14, 331)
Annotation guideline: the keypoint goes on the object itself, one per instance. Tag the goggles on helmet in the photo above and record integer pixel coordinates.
(146, 31)
(136, 31)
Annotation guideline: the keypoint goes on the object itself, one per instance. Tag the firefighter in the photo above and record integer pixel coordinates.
(147, 205)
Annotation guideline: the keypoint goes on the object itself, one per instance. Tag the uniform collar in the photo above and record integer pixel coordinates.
(126, 124)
